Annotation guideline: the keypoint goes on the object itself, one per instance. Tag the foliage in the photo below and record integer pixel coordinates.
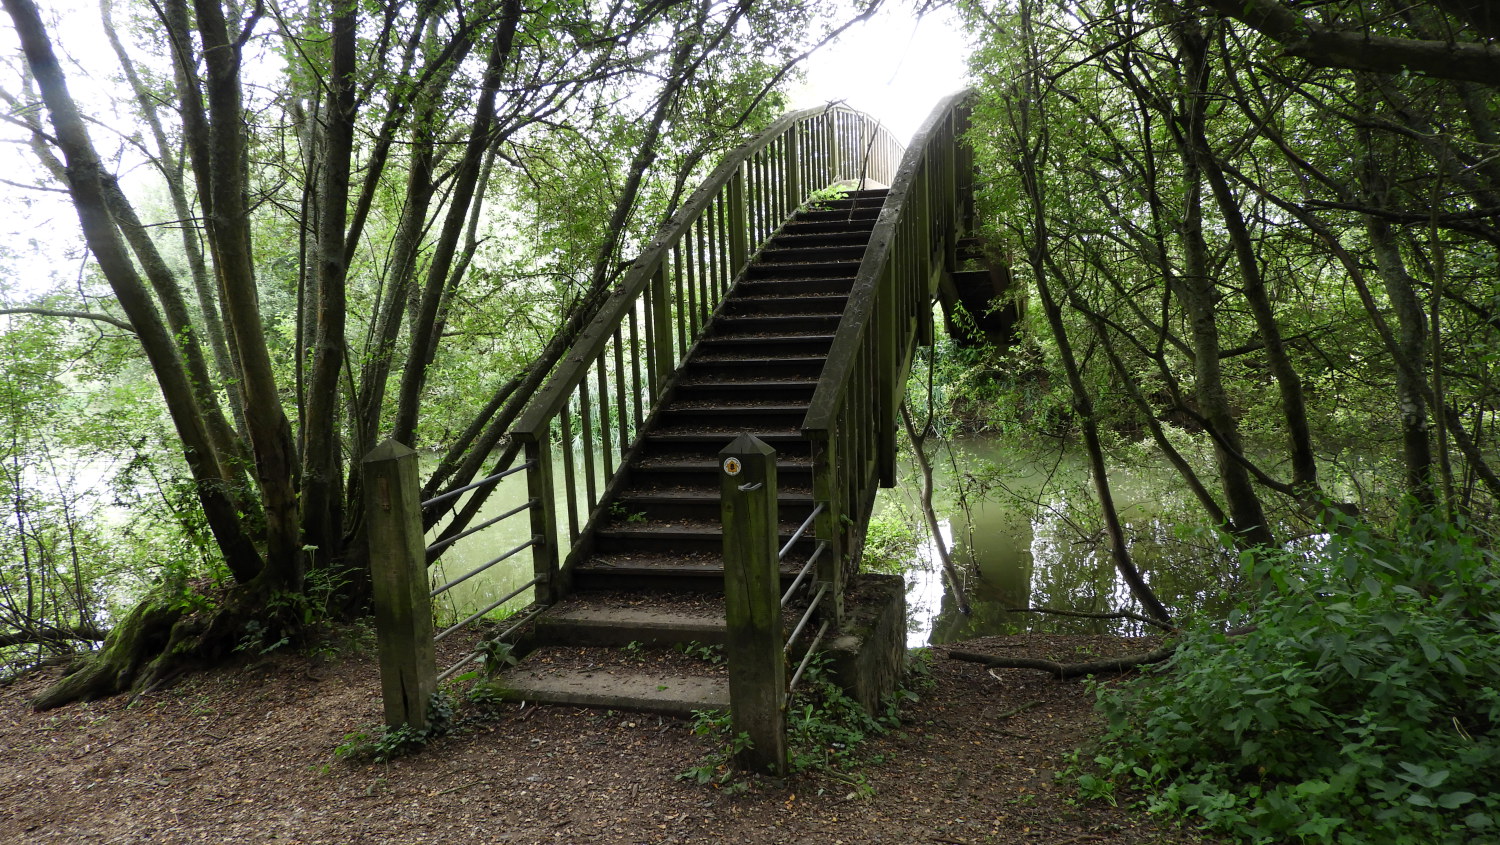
(1360, 709)
(825, 730)
(384, 744)
(891, 541)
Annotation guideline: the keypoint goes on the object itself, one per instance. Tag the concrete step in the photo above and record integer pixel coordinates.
(615, 689)
(585, 624)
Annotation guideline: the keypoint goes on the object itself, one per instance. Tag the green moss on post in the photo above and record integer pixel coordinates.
(398, 572)
(752, 596)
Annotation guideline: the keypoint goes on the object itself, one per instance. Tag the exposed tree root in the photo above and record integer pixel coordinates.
(1063, 671)
(159, 640)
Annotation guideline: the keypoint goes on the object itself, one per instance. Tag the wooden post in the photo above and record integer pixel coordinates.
(552, 588)
(661, 348)
(398, 571)
(739, 236)
(752, 598)
(829, 524)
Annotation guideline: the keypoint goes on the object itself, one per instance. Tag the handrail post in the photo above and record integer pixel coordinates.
(398, 571)
(544, 562)
(661, 316)
(752, 601)
(739, 244)
(829, 525)
(793, 168)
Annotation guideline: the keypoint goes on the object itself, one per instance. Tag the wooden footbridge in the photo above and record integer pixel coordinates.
(702, 466)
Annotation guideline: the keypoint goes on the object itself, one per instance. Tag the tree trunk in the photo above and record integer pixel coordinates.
(322, 460)
(229, 238)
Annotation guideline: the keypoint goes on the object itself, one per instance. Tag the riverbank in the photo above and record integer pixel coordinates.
(245, 754)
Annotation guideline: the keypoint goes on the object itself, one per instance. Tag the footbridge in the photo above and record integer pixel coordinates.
(706, 457)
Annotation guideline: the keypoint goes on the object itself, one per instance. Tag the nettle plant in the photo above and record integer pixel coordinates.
(1360, 709)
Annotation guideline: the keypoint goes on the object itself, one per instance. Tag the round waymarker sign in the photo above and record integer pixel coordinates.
(732, 466)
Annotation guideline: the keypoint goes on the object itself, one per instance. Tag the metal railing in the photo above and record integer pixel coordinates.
(852, 417)
(403, 593)
(605, 392)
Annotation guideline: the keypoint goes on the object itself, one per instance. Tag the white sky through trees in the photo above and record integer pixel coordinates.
(895, 66)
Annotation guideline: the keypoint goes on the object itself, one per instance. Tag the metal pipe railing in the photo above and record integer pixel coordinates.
(483, 482)
(507, 597)
(482, 567)
(802, 529)
(812, 649)
(443, 544)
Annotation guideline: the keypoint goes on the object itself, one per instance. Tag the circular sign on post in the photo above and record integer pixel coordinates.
(732, 466)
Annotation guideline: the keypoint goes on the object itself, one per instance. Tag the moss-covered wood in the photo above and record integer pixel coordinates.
(752, 601)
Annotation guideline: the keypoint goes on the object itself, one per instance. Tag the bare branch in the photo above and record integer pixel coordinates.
(76, 315)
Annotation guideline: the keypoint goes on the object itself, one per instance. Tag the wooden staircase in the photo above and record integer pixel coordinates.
(654, 576)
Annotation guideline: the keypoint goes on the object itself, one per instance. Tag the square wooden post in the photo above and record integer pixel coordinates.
(544, 559)
(752, 599)
(398, 573)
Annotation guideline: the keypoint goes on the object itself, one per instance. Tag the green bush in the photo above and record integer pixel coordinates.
(1360, 709)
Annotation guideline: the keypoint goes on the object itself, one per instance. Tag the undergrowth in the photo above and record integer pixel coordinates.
(826, 730)
(1360, 709)
(384, 744)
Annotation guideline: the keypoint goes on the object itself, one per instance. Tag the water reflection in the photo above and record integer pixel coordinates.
(1020, 524)
(1020, 527)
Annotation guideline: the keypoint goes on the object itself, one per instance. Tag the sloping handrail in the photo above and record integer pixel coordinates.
(852, 417)
(601, 396)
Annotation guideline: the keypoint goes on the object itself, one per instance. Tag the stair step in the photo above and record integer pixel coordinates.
(804, 270)
(785, 466)
(791, 287)
(793, 370)
(765, 345)
(818, 303)
(615, 689)
(647, 498)
(687, 538)
(692, 571)
(826, 227)
(794, 253)
(696, 504)
(712, 442)
(776, 325)
(799, 239)
(696, 384)
(839, 215)
(584, 623)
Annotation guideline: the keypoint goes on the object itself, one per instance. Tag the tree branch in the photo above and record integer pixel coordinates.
(1063, 671)
(77, 315)
(1359, 50)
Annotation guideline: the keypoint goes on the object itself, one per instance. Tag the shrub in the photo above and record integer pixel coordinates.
(1361, 707)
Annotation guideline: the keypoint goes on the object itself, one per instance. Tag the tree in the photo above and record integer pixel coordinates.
(334, 217)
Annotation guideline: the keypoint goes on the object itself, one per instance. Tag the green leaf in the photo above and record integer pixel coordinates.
(1452, 800)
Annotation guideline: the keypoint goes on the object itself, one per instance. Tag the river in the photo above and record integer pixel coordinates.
(1023, 528)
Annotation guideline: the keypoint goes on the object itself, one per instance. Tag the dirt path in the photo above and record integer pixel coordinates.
(245, 754)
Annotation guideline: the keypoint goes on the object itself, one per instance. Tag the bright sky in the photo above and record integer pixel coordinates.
(893, 66)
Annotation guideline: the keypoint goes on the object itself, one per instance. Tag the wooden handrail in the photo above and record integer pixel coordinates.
(606, 390)
(833, 384)
(591, 342)
(851, 420)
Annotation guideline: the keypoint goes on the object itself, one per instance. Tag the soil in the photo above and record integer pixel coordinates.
(245, 753)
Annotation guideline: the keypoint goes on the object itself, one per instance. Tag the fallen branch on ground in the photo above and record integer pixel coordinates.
(1083, 614)
(1063, 671)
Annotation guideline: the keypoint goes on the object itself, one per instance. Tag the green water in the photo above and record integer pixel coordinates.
(1021, 525)
(1024, 532)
